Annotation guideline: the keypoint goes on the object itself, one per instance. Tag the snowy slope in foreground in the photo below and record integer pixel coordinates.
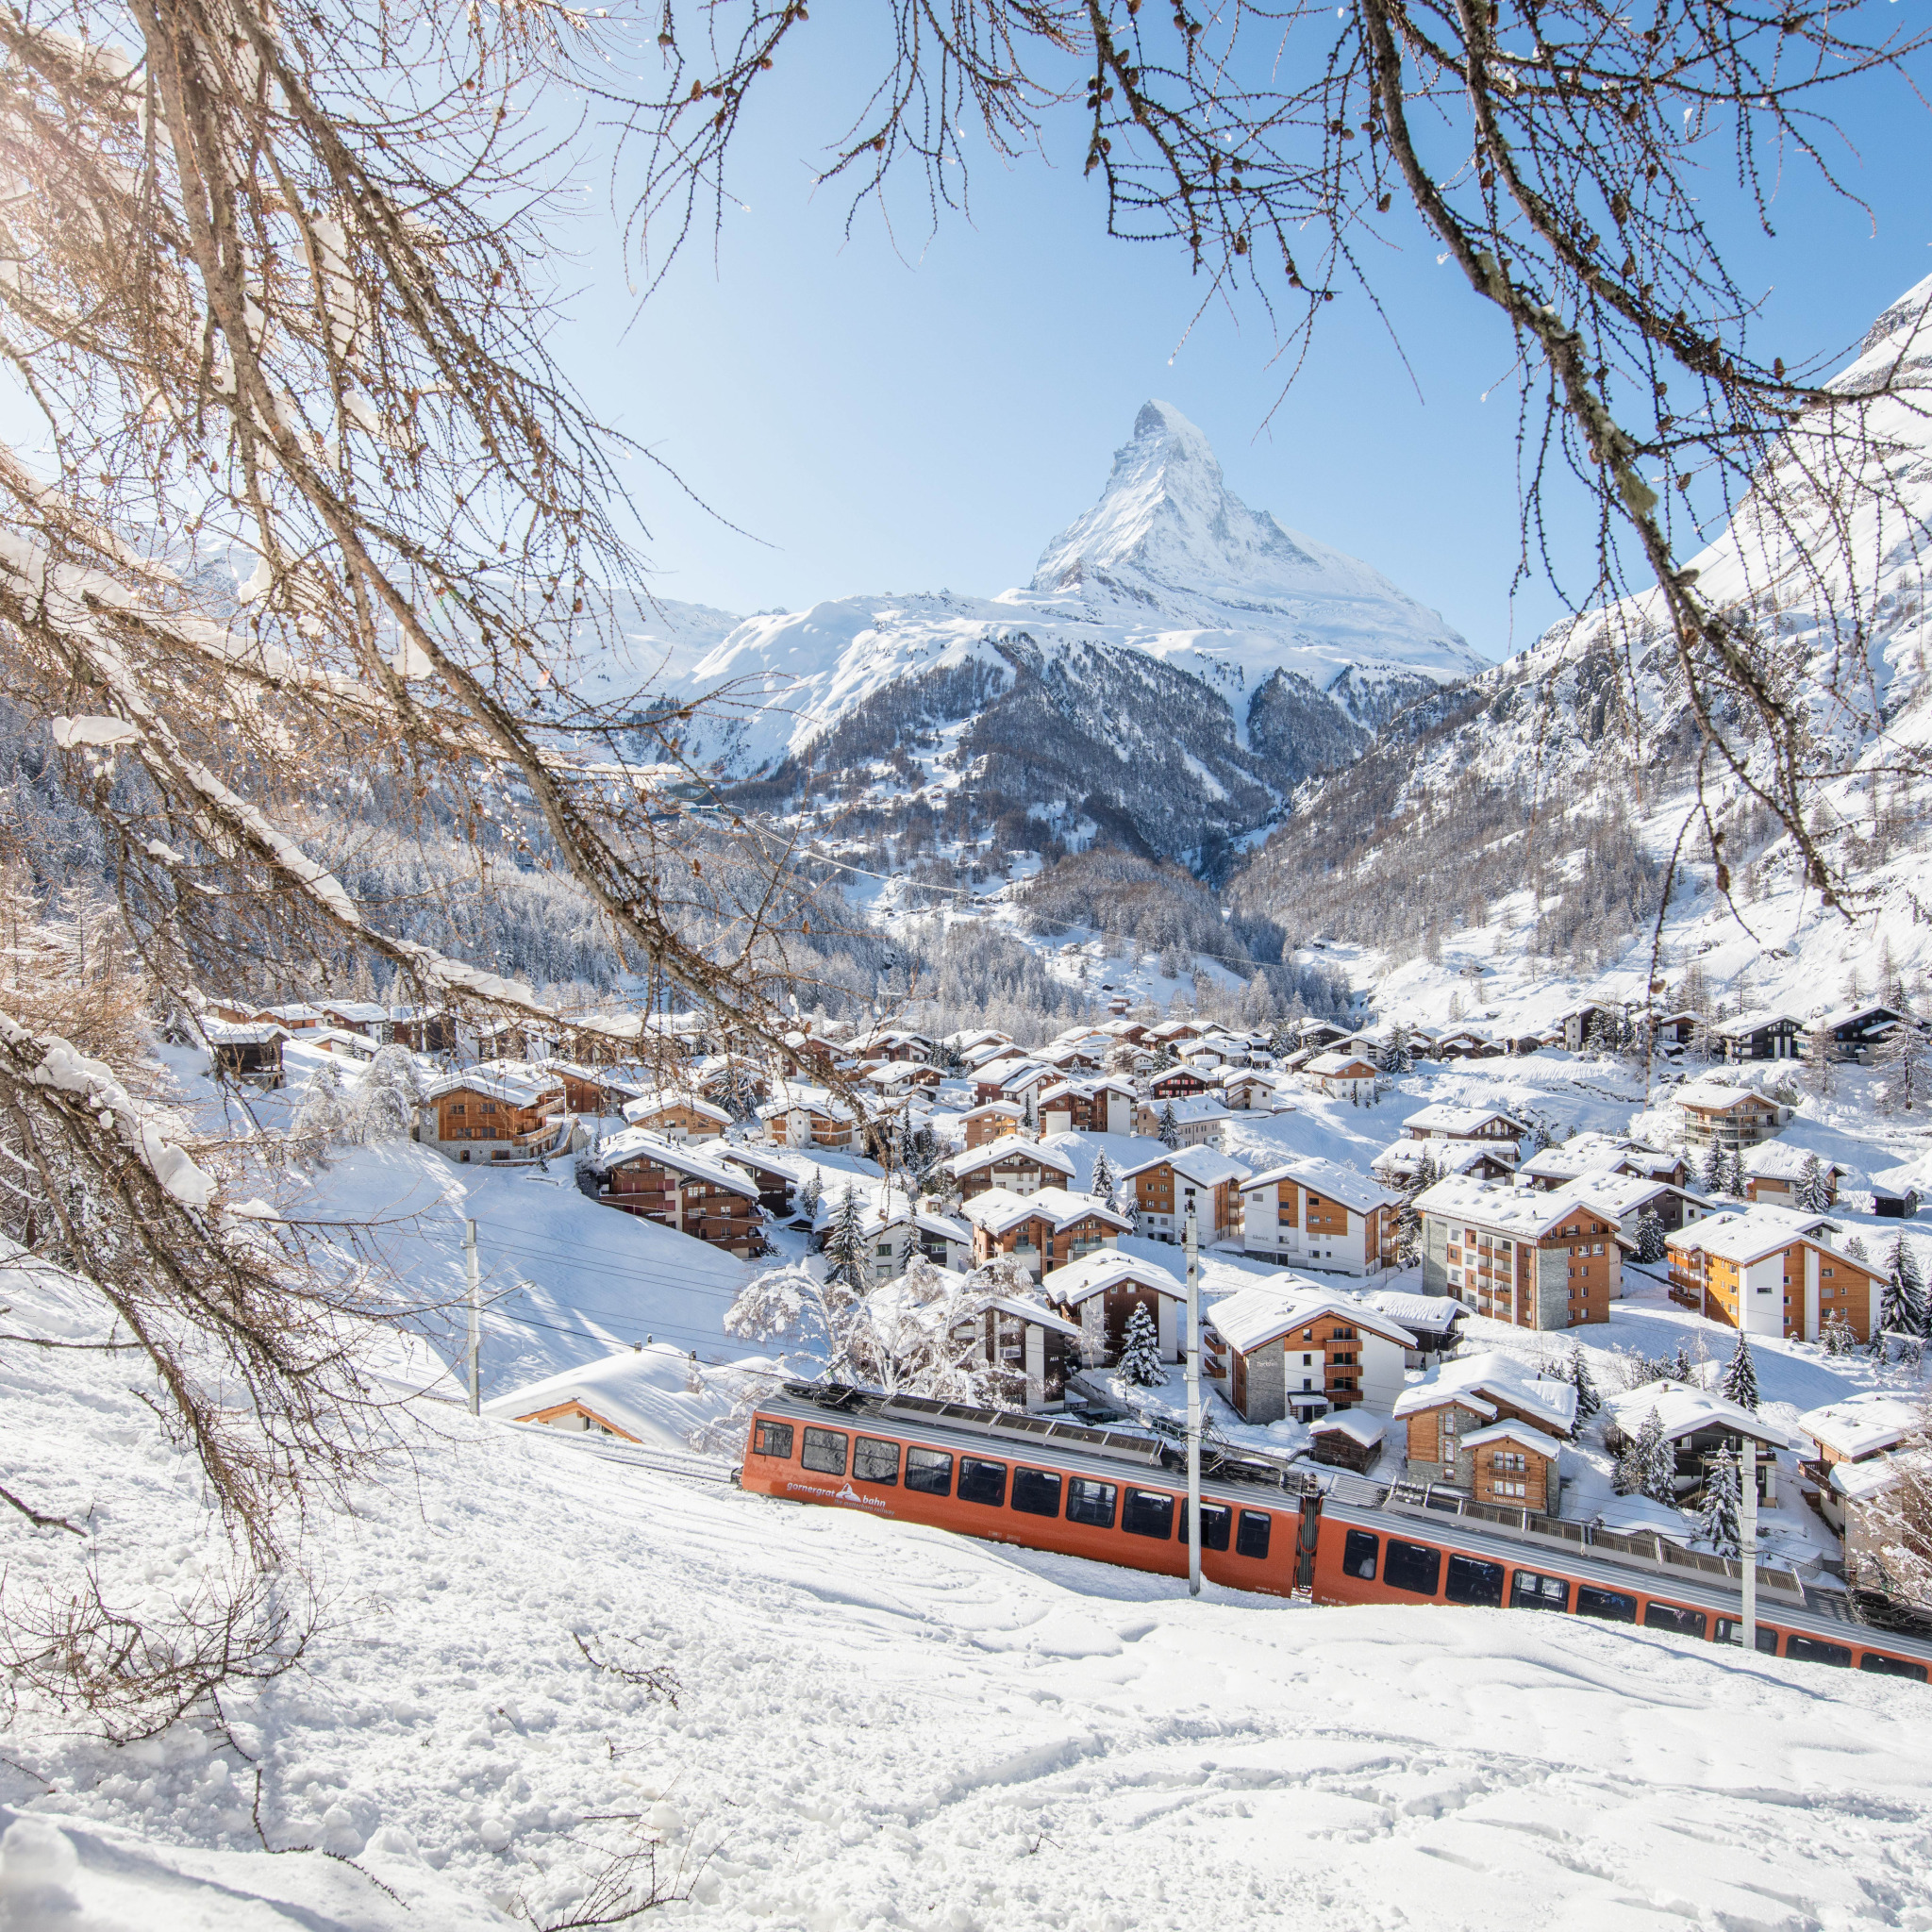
(1169, 562)
(878, 1726)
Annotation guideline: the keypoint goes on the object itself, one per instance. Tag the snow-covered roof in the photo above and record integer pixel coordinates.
(516, 1081)
(1434, 1314)
(1459, 1123)
(1205, 1166)
(1335, 1066)
(1000, 1208)
(1714, 1096)
(1007, 1147)
(1035, 1312)
(1580, 1155)
(237, 1033)
(1529, 1213)
(648, 1105)
(1778, 1160)
(1353, 1422)
(815, 1101)
(366, 1012)
(1009, 1110)
(1252, 1317)
(1480, 1381)
(1747, 1237)
(1449, 1156)
(1684, 1409)
(1094, 1273)
(1862, 1424)
(1757, 1022)
(1329, 1179)
(294, 1013)
(880, 1208)
(640, 1143)
(645, 1392)
(1191, 1110)
(1509, 1431)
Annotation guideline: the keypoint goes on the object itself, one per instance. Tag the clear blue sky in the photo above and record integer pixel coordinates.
(928, 417)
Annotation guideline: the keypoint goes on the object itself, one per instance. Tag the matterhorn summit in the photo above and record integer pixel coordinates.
(1168, 538)
(1169, 600)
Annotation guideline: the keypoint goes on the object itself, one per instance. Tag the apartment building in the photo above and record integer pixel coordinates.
(1537, 1260)
(1319, 1215)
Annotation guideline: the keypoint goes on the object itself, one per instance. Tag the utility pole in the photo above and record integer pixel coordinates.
(475, 1315)
(1193, 1411)
(1747, 1630)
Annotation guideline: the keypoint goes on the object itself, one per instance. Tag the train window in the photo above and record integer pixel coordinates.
(1814, 1650)
(981, 1481)
(1217, 1519)
(1532, 1590)
(1473, 1581)
(1251, 1536)
(1891, 1666)
(1413, 1567)
(1669, 1617)
(773, 1438)
(1358, 1552)
(1146, 1512)
(1037, 1491)
(1091, 1503)
(825, 1450)
(1727, 1633)
(874, 1462)
(929, 1471)
(1612, 1606)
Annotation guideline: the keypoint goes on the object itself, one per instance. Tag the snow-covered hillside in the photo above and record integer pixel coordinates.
(878, 1726)
(1169, 563)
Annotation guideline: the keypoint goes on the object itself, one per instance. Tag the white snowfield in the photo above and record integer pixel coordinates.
(1169, 561)
(880, 1726)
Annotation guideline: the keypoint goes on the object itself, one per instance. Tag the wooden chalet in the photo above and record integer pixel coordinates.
(245, 1050)
(1088, 1107)
(1030, 1350)
(1099, 1293)
(496, 1111)
(1774, 1271)
(1729, 1118)
(641, 1173)
(1040, 1231)
(1769, 1035)
(1294, 1351)
(993, 1120)
(1319, 1215)
(775, 1181)
(1014, 1163)
(1855, 1033)
(1178, 1083)
(1165, 1184)
(1698, 1424)
(1486, 1426)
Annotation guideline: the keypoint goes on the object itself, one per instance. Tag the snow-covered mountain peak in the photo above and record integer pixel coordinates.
(1168, 515)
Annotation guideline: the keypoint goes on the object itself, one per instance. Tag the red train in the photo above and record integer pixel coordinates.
(1055, 1484)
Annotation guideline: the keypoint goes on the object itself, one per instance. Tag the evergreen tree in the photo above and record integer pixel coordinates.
(1587, 1401)
(846, 1243)
(1168, 1130)
(809, 1196)
(1856, 1250)
(1820, 1070)
(1103, 1183)
(1720, 1515)
(1906, 1062)
(1401, 1057)
(1838, 1336)
(1734, 1175)
(1651, 1245)
(1902, 1307)
(1813, 1192)
(1139, 1359)
(1740, 1383)
(1633, 1460)
(1659, 1462)
(1710, 1175)
(1682, 1368)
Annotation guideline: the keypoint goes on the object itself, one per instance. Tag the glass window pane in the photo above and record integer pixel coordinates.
(1612, 1606)
(1037, 1491)
(773, 1438)
(1669, 1617)
(1533, 1591)
(1358, 1552)
(1814, 1650)
(1148, 1513)
(1892, 1666)
(825, 1450)
(1251, 1538)
(1216, 1523)
(1091, 1503)
(874, 1462)
(930, 1470)
(1473, 1581)
(1413, 1567)
(981, 1481)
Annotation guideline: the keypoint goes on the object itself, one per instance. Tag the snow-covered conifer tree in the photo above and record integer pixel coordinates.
(846, 1243)
(1740, 1383)
(1813, 1191)
(1659, 1462)
(1103, 1183)
(1168, 1131)
(1587, 1401)
(809, 1196)
(1651, 1242)
(1720, 1515)
(1710, 1170)
(1139, 1359)
(1902, 1304)
(1734, 1175)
